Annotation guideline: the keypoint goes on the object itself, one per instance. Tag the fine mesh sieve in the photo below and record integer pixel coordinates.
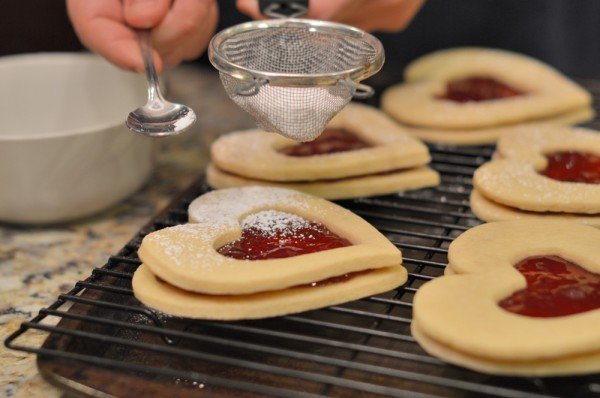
(293, 75)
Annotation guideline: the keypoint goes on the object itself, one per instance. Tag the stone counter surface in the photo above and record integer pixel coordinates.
(39, 263)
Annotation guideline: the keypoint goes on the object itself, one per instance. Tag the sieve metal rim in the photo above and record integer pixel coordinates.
(221, 63)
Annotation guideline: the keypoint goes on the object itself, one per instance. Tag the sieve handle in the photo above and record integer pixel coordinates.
(251, 88)
(283, 8)
(360, 91)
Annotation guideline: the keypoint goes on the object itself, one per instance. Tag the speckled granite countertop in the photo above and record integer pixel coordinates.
(37, 264)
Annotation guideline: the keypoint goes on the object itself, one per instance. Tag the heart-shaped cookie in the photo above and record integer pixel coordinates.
(344, 188)
(186, 256)
(519, 184)
(534, 144)
(259, 155)
(473, 88)
(491, 211)
(490, 135)
(477, 317)
(543, 170)
(172, 300)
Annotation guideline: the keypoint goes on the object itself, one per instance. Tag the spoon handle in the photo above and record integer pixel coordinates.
(146, 48)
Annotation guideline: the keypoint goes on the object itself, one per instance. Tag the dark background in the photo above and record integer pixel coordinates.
(563, 33)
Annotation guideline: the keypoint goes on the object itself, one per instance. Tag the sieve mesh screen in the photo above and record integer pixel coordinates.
(307, 51)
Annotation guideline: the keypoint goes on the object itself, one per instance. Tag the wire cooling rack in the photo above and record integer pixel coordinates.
(107, 344)
(107, 341)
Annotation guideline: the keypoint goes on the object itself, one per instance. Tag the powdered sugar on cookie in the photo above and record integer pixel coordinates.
(189, 256)
(530, 145)
(272, 222)
(219, 212)
(227, 206)
(180, 250)
(516, 183)
(257, 154)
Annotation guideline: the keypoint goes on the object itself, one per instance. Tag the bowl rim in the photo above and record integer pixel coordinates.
(17, 59)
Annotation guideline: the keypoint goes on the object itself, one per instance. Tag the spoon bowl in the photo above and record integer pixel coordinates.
(159, 117)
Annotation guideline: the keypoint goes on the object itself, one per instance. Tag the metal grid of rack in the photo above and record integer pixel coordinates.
(359, 348)
(101, 340)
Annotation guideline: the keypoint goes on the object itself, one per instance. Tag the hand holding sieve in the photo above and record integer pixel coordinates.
(293, 75)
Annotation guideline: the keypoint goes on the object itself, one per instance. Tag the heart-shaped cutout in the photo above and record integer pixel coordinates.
(476, 89)
(186, 256)
(573, 166)
(332, 140)
(459, 317)
(273, 234)
(555, 287)
(515, 88)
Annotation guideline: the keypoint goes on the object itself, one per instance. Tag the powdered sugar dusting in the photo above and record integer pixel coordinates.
(532, 142)
(517, 184)
(225, 211)
(227, 206)
(272, 222)
(180, 242)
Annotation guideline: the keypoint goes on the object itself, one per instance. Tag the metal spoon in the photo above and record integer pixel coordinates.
(159, 117)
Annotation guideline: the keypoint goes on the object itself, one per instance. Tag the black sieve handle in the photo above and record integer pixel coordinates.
(283, 8)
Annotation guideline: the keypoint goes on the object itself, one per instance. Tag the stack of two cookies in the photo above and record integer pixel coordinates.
(361, 153)
(518, 298)
(257, 252)
(472, 96)
(544, 173)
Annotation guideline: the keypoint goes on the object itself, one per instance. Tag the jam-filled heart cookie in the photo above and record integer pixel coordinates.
(472, 95)
(544, 145)
(546, 172)
(260, 245)
(362, 152)
(490, 135)
(341, 188)
(332, 291)
(523, 298)
(488, 210)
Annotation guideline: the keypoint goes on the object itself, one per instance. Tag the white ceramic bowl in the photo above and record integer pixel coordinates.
(65, 152)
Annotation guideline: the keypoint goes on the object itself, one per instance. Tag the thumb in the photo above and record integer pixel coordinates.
(249, 7)
(145, 14)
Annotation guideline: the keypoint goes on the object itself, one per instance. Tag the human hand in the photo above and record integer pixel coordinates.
(369, 15)
(181, 29)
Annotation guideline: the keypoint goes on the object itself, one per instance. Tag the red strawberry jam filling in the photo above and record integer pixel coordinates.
(477, 89)
(573, 166)
(274, 234)
(336, 279)
(330, 141)
(555, 287)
